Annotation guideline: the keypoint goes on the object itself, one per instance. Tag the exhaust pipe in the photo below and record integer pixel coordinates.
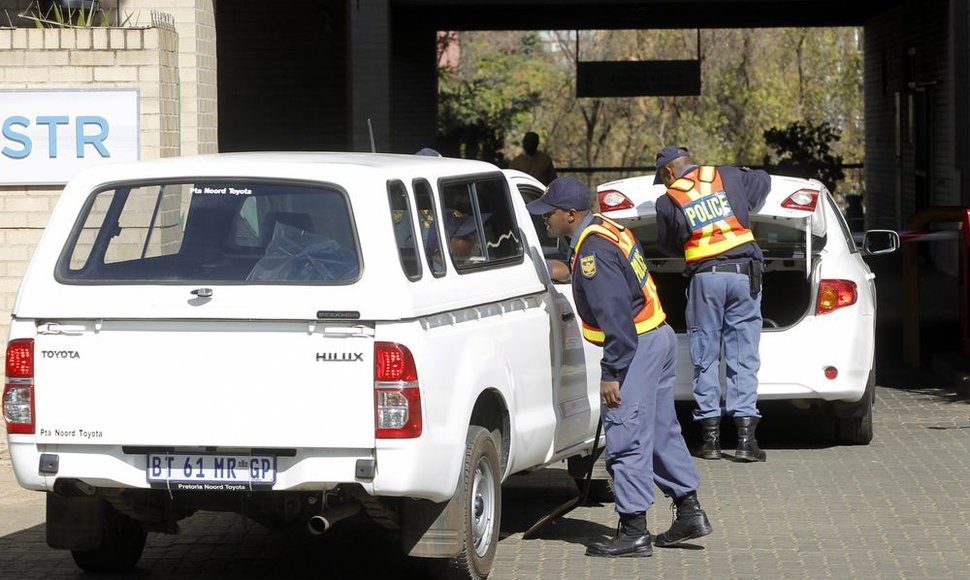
(323, 521)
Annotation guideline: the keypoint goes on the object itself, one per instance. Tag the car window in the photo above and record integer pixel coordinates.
(479, 223)
(780, 239)
(214, 231)
(407, 247)
(427, 224)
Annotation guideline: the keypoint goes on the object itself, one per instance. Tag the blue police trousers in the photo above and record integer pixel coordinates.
(721, 310)
(644, 443)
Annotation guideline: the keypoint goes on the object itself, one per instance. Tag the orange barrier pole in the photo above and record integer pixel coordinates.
(911, 326)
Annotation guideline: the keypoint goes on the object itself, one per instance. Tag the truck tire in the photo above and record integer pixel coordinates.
(601, 485)
(481, 493)
(600, 489)
(122, 542)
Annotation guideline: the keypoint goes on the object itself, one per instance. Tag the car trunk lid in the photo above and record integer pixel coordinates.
(793, 204)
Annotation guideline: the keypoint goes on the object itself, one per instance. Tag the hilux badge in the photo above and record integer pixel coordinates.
(340, 357)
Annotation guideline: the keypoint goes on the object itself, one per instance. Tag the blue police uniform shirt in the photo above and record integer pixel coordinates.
(746, 190)
(608, 299)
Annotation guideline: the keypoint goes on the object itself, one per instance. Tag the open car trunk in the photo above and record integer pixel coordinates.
(790, 234)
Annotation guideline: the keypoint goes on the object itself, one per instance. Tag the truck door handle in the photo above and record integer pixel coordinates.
(568, 315)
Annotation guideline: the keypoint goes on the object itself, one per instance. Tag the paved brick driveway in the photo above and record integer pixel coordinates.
(898, 508)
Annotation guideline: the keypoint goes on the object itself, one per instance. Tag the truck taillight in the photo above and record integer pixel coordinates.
(613, 200)
(834, 294)
(18, 392)
(397, 396)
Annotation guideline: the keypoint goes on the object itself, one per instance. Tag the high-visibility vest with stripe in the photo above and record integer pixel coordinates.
(651, 315)
(714, 227)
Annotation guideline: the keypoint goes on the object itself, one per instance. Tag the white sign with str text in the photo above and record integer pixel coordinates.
(47, 136)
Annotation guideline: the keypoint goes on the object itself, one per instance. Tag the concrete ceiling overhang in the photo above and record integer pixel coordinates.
(642, 14)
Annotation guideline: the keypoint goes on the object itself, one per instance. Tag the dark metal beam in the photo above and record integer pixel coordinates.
(643, 14)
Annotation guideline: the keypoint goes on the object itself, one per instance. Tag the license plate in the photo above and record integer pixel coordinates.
(210, 472)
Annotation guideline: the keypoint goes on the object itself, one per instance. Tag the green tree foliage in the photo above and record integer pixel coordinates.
(497, 83)
(802, 150)
(752, 81)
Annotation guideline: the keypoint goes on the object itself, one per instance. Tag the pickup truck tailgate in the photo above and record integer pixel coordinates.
(205, 383)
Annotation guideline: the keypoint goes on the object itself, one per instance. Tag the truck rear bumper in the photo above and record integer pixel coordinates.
(110, 466)
(402, 469)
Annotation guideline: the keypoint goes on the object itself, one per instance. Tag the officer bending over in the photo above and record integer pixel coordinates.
(705, 217)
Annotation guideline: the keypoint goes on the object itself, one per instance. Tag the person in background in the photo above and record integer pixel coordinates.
(536, 163)
(705, 217)
(617, 302)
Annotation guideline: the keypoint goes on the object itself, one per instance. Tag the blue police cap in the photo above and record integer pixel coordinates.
(459, 224)
(665, 156)
(428, 152)
(562, 193)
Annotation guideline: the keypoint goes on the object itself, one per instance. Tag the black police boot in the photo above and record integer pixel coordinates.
(689, 523)
(748, 450)
(710, 439)
(632, 540)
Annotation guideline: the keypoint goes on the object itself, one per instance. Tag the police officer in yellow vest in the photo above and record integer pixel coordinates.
(617, 302)
(705, 217)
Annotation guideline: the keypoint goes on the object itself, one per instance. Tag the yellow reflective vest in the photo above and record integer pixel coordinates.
(651, 315)
(714, 227)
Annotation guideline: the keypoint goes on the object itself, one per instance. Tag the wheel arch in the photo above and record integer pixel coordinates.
(492, 413)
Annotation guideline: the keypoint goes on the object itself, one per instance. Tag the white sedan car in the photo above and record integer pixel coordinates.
(818, 297)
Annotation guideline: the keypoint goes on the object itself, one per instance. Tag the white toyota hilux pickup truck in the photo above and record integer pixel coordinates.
(297, 337)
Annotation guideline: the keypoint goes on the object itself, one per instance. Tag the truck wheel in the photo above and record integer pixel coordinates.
(600, 489)
(601, 484)
(481, 493)
(122, 542)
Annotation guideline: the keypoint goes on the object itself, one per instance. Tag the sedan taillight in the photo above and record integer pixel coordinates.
(613, 200)
(397, 396)
(803, 199)
(835, 294)
(18, 392)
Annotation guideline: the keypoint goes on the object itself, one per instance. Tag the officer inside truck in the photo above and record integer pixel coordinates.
(462, 232)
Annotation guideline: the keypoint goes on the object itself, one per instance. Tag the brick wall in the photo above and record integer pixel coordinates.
(196, 28)
(83, 58)
(907, 59)
(909, 52)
